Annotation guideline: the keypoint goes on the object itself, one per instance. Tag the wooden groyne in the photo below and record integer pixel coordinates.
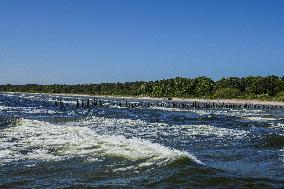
(96, 102)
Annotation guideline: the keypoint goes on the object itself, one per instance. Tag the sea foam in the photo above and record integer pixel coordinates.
(43, 141)
(141, 127)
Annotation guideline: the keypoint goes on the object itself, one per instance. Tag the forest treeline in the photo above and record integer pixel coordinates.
(252, 87)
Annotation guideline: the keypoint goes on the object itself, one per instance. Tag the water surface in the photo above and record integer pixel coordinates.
(47, 146)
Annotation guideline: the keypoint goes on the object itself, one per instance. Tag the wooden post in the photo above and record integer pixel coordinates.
(77, 105)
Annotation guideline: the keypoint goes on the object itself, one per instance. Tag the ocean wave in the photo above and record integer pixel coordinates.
(9, 94)
(209, 130)
(140, 127)
(278, 125)
(260, 119)
(245, 114)
(43, 141)
(226, 112)
(3, 108)
(28, 110)
(33, 110)
(274, 141)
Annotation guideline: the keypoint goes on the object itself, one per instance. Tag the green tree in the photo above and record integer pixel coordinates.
(203, 86)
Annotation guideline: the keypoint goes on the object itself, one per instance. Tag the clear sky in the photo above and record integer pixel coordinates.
(68, 41)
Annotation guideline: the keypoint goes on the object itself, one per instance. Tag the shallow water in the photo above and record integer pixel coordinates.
(44, 146)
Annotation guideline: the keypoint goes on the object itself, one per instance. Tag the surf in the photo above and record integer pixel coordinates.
(43, 141)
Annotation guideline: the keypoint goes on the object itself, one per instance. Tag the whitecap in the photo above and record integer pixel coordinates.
(208, 130)
(278, 125)
(49, 142)
(260, 119)
(139, 127)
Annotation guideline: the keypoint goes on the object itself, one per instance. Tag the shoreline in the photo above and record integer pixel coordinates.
(174, 99)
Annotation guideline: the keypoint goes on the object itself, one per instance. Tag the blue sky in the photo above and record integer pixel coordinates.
(68, 41)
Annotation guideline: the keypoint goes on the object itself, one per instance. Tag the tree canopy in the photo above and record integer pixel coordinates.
(252, 87)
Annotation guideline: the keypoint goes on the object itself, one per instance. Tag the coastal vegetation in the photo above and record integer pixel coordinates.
(252, 87)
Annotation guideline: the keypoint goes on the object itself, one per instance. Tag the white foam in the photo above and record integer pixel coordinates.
(140, 128)
(48, 142)
(282, 154)
(33, 110)
(28, 110)
(278, 125)
(208, 130)
(167, 109)
(252, 115)
(9, 94)
(196, 111)
(260, 119)
(3, 108)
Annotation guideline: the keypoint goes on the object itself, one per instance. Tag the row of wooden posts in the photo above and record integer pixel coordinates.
(169, 104)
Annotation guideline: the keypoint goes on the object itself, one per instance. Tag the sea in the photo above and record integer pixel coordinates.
(47, 146)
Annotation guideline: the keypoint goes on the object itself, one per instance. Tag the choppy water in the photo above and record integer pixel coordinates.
(44, 146)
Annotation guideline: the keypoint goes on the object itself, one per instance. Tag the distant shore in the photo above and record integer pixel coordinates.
(227, 101)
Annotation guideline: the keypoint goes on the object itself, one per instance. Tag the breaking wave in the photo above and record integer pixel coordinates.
(43, 141)
(140, 127)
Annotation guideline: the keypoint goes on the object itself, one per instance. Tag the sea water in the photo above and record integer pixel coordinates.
(47, 146)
